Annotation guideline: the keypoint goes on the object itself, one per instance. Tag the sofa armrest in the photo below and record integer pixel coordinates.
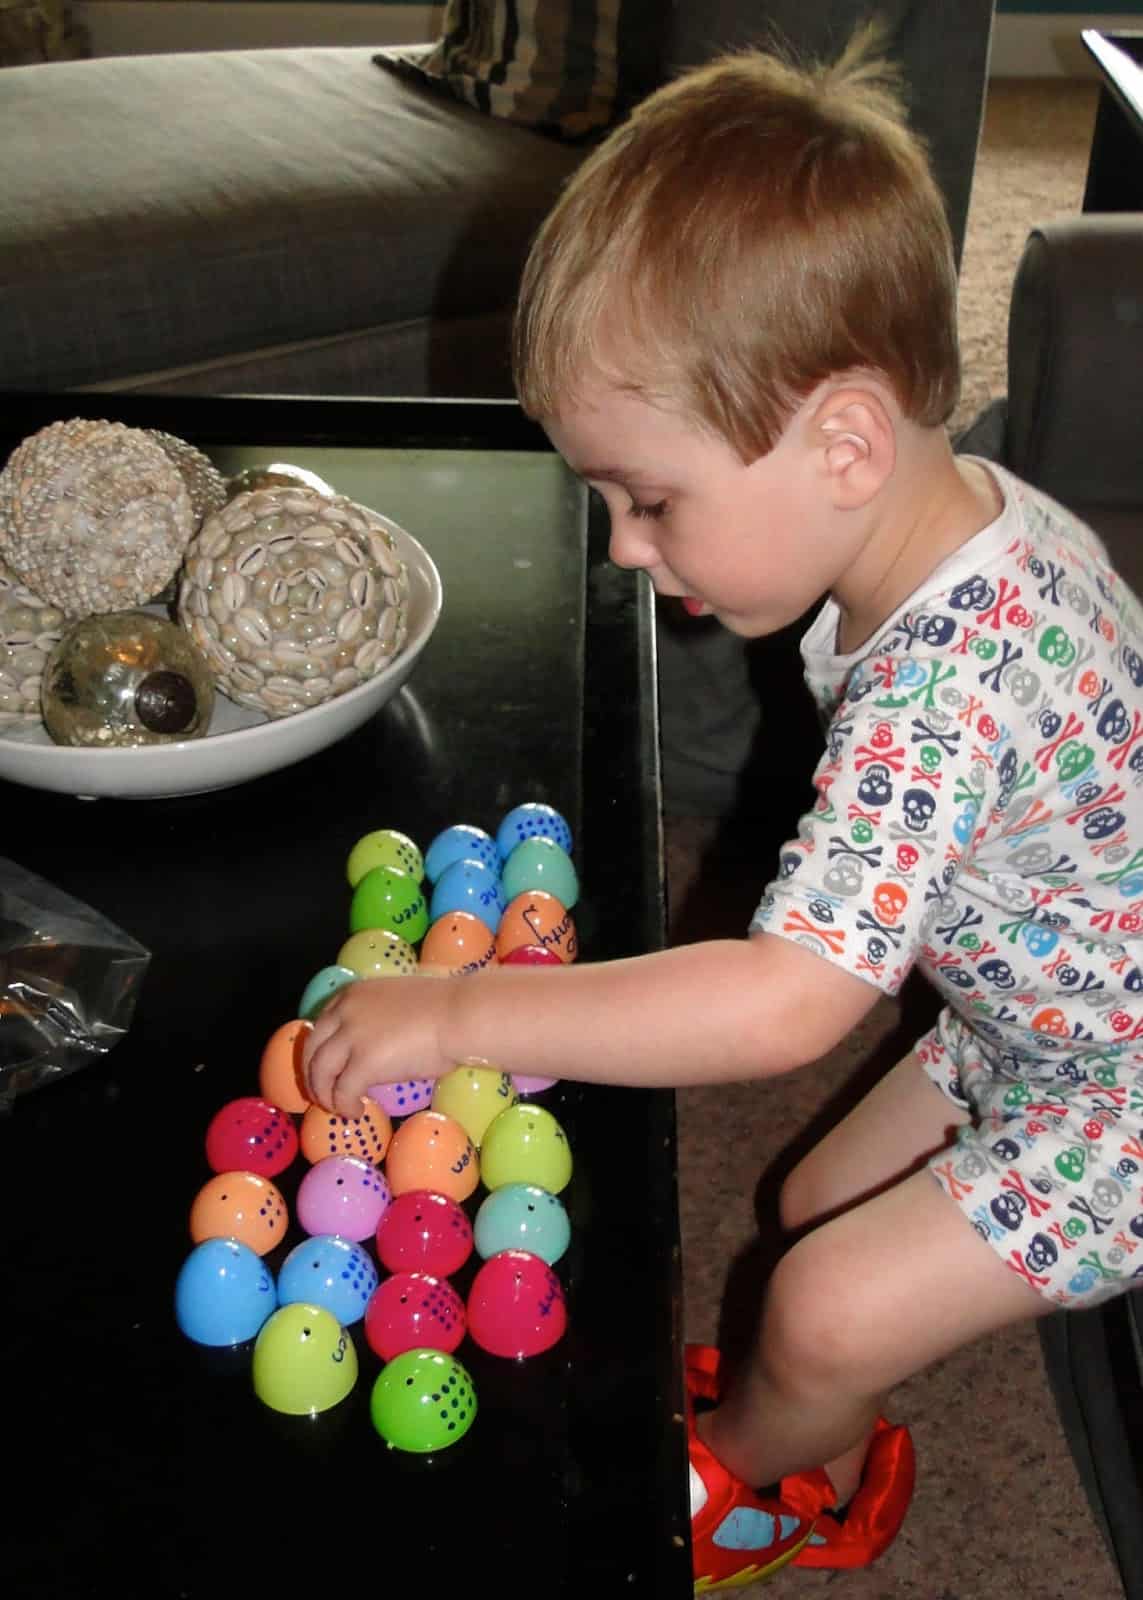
(1075, 361)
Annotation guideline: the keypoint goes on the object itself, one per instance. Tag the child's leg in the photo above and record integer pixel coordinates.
(856, 1306)
(890, 1133)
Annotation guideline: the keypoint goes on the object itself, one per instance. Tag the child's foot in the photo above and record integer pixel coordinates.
(872, 1519)
(738, 1536)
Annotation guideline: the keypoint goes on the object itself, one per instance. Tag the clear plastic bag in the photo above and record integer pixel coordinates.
(69, 980)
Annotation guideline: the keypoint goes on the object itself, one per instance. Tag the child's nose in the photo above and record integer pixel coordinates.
(628, 547)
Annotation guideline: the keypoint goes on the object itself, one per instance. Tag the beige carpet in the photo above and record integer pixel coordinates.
(999, 1510)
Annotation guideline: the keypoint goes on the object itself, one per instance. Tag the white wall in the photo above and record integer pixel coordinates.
(1023, 44)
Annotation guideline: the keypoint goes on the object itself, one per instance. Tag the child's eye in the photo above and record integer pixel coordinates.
(653, 512)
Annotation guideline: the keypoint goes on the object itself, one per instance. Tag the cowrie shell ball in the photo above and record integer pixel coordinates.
(293, 597)
(29, 632)
(94, 516)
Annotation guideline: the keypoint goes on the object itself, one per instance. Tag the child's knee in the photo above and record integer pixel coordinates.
(804, 1196)
(807, 1344)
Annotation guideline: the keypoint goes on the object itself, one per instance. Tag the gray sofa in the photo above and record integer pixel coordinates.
(304, 221)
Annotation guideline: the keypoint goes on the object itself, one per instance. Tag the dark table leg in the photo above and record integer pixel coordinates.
(1115, 166)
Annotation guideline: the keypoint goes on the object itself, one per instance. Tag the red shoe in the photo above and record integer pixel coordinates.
(873, 1517)
(738, 1537)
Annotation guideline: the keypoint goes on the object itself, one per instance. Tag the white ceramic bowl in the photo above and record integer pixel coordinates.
(242, 743)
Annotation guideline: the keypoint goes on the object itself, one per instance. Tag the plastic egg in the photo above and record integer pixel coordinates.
(378, 953)
(331, 1272)
(525, 1144)
(432, 1151)
(472, 1094)
(422, 1400)
(250, 1135)
(533, 820)
(324, 1133)
(304, 1361)
(424, 1232)
(384, 847)
(529, 955)
(541, 864)
(469, 886)
(527, 1083)
(522, 1216)
(402, 1099)
(459, 942)
(413, 1311)
(321, 989)
(224, 1293)
(516, 1306)
(459, 843)
(388, 898)
(537, 917)
(243, 1206)
(344, 1195)
(280, 1075)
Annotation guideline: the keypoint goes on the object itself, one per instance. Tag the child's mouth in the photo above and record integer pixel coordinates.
(692, 606)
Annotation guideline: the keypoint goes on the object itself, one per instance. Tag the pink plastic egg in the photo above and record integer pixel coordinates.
(529, 955)
(402, 1099)
(251, 1135)
(424, 1232)
(516, 1305)
(344, 1195)
(413, 1311)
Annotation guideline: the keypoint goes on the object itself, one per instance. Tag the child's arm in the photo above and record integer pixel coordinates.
(704, 1013)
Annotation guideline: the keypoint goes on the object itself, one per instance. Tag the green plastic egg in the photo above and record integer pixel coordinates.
(525, 1144)
(540, 864)
(304, 1361)
(385, 847)
(423, 1400)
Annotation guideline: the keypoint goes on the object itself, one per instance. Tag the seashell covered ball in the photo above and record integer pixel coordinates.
(294, 597)
(205, 484)
(29, 631)
(94, 516)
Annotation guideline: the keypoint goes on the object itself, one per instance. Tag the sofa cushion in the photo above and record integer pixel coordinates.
(157, 211)
(568, 68)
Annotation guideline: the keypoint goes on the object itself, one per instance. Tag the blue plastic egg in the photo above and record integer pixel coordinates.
(522, 1216)
(540, 864)
(224, 1293)
(322, 987)
(469, 885)
(461, 842)
(327, 1270)
(532, 821)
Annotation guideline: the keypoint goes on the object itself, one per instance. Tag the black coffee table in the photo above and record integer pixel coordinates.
(140, 1464)
(1115, 167)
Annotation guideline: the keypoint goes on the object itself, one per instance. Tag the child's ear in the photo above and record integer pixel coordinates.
(854, 432)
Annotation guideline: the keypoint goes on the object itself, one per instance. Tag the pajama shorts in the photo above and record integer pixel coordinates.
(1050, 1173)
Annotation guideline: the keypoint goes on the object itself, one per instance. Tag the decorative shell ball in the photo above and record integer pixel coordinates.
(293, 597)
(94, 516)
(205, 484)
(29, 632)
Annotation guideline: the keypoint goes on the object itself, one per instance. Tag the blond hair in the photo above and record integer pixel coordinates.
(754, 228)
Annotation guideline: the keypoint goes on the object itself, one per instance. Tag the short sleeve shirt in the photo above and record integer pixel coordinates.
(979, 804)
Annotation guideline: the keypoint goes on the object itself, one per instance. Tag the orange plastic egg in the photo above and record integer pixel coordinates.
(323, 1133)
(280, 1075)
(537, 918)
(242, 1206)
(432, 1151)
(459, 942)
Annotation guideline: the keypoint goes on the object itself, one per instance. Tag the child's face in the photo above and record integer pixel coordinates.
(753, 544)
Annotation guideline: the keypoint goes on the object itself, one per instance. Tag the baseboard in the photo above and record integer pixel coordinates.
(1024, 45)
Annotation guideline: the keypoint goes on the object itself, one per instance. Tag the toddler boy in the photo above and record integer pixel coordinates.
(738, 325)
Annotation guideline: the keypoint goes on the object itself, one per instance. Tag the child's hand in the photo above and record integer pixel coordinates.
(378, 1030)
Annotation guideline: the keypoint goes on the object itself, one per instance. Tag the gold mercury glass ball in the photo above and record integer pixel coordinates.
(126, 678)
(94, 516)
(294, 596)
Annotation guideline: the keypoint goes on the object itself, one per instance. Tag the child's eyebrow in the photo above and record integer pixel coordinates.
(614, 474)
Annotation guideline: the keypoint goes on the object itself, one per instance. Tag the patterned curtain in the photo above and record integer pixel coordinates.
(39, 30)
